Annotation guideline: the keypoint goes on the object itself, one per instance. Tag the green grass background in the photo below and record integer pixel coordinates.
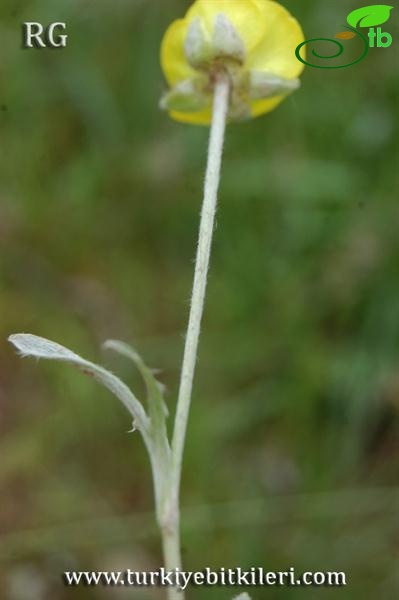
(291, 445)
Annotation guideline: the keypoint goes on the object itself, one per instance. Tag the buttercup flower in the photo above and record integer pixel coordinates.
(252, 41)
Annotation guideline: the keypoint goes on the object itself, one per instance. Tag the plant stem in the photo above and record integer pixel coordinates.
(212, 178)
(172, 556)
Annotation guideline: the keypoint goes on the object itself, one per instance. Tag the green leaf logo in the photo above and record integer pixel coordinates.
(370, 16)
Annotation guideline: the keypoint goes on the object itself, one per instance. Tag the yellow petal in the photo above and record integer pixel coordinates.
(276, 52)
(260, 107)
(203, 117)
(245, 16)
(173, 59)
(270, 36)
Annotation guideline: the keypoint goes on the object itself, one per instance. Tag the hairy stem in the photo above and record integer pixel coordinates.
(212, 178)
(172, 555)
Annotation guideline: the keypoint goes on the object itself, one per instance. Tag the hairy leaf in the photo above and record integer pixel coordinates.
(32, 345)
(155, 389)
(158, 445)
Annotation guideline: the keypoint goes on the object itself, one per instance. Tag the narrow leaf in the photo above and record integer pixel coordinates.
(155, 389)
(158, 445)
(32, 345)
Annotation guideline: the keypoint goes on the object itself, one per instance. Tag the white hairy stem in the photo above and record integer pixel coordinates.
(171, 521)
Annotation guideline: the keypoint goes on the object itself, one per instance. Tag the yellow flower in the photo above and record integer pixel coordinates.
(253, 41)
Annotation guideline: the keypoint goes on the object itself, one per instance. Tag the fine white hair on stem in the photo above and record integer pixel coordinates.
(171, 519)
(212, 179)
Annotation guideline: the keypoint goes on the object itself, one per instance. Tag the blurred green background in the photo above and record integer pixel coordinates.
(291, 445)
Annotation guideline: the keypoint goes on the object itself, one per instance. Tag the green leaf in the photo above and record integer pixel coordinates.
(38, 347)
(158, 445)
(155, 389)
(370, 16)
